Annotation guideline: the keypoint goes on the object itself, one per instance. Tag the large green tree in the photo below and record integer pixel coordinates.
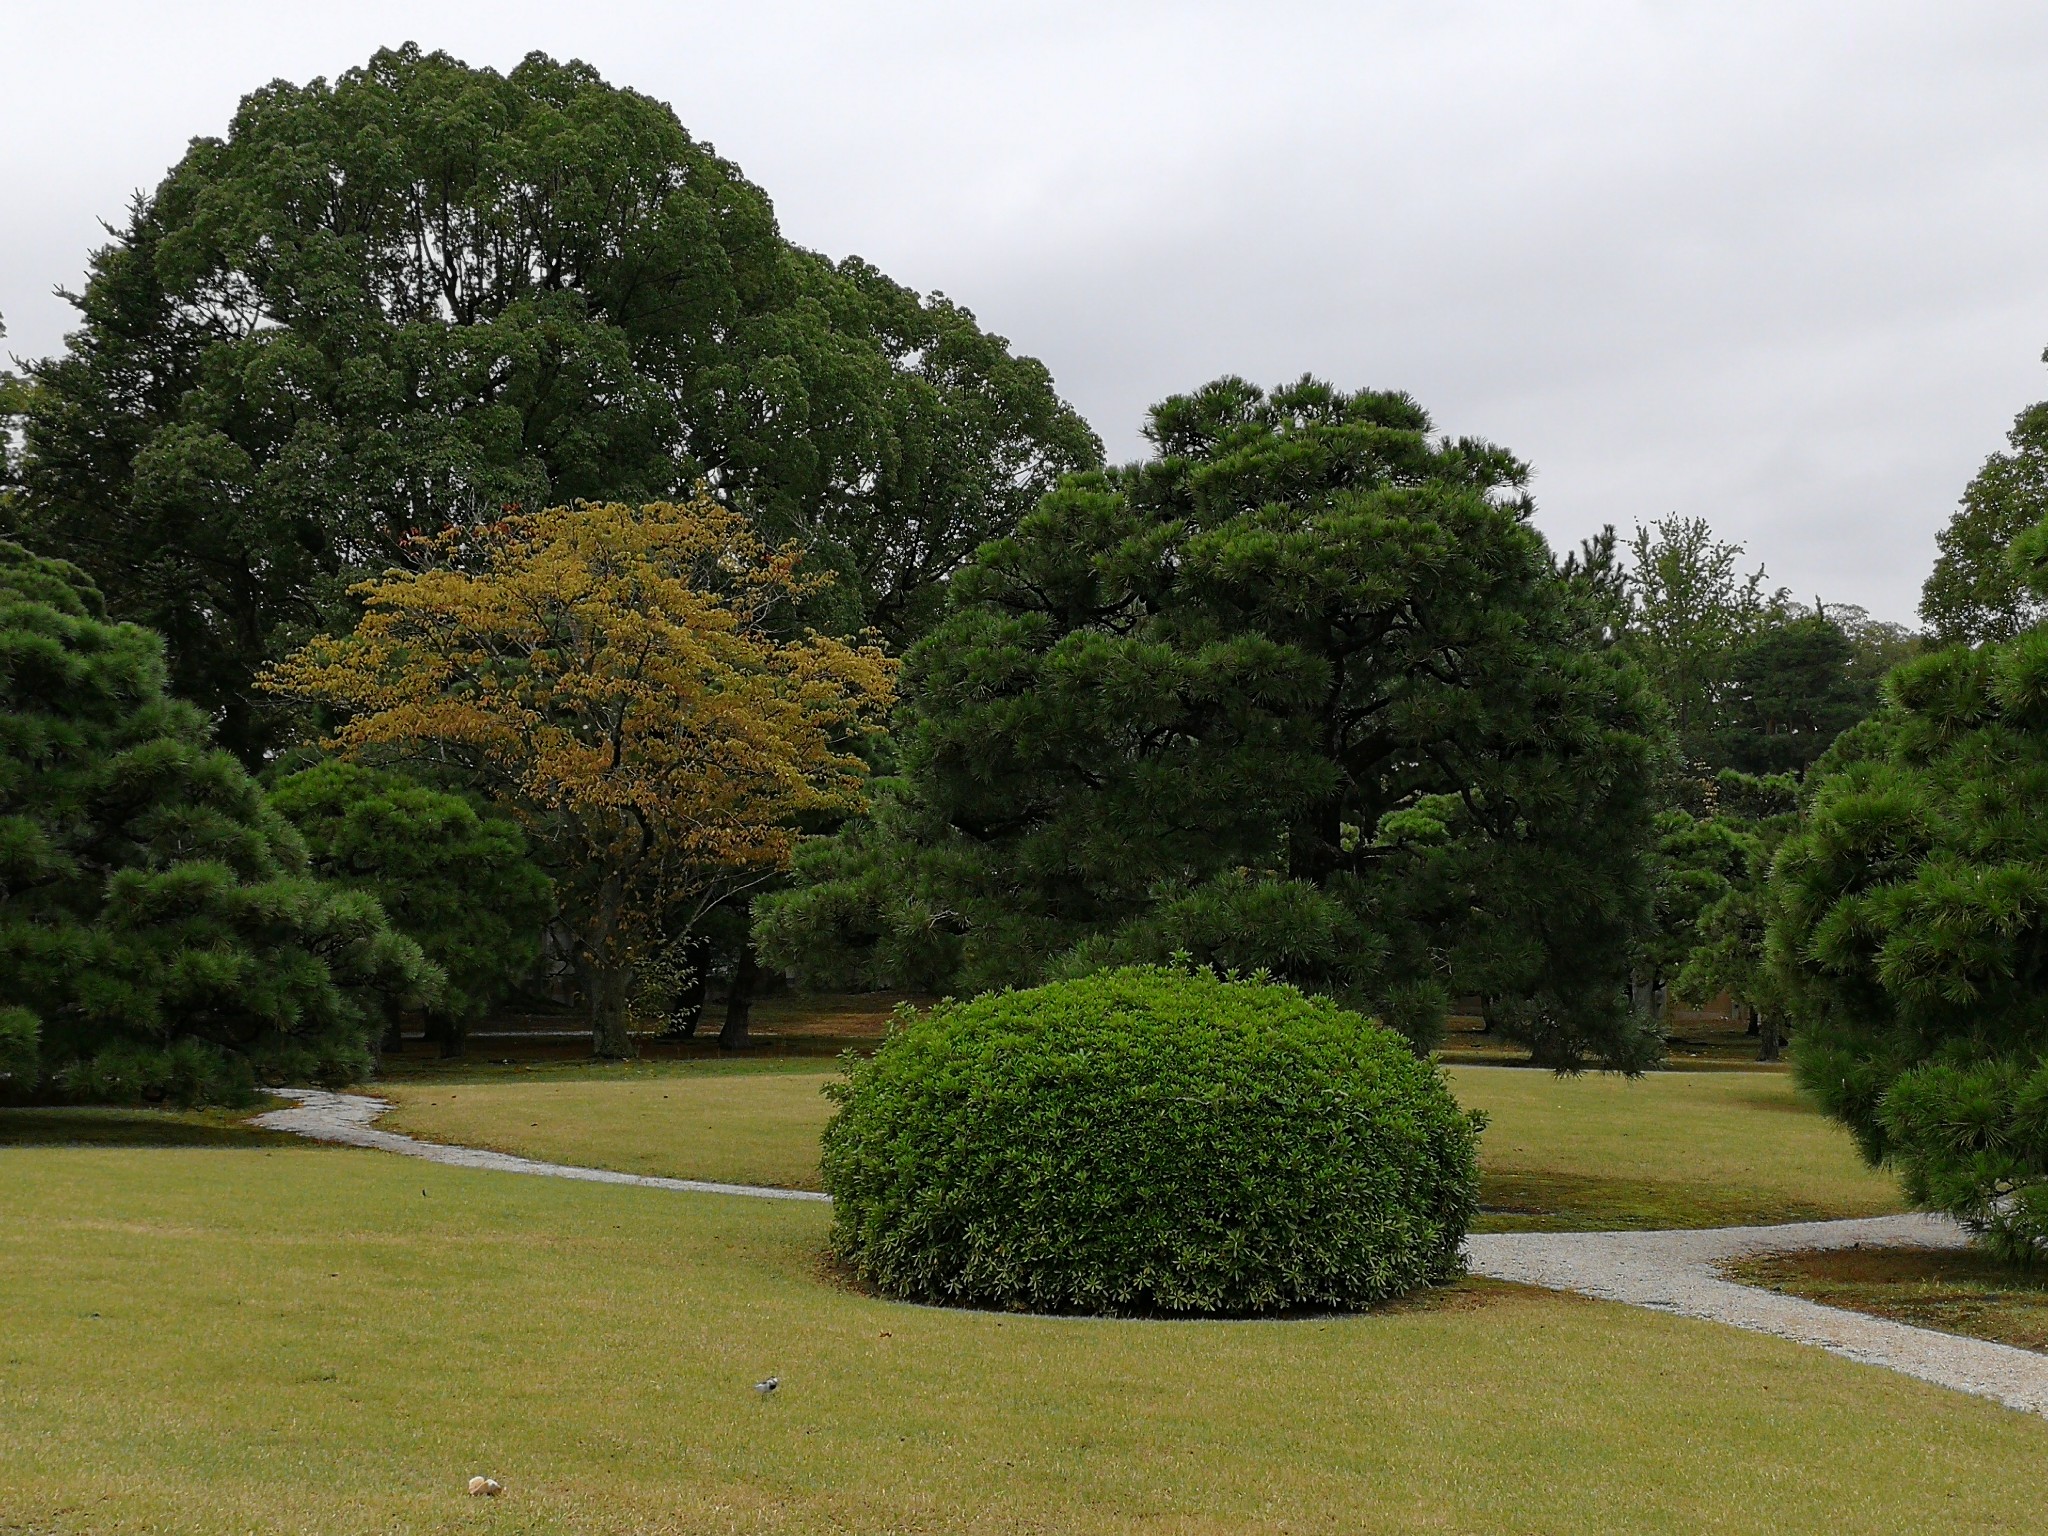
(1909, 924)
(160, 936)
(1689, 609)
(1788, 693)
(462, 884)
(1303, 691)
(424, 293)
(1974, 594)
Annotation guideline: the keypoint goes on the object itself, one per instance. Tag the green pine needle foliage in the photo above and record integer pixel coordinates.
(460, 882)
(1305, 690)
(1909, 922)
(1148, 1140)
(160, 936)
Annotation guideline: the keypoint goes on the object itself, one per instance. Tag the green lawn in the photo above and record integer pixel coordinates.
(324, 1341)
(1668, 1149)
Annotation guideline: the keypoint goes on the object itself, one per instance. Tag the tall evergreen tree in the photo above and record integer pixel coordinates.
(1789, 693)
(1909, 926)
(1303, 691)
(160, 936)
(424, 294)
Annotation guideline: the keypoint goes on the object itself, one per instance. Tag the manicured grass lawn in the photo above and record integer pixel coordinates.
(743, 1124)
(1955, 1292)
(1668, 1149)
(330, 1341)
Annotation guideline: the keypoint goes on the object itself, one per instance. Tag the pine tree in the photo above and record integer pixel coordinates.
(160, 935)
(1306, 692)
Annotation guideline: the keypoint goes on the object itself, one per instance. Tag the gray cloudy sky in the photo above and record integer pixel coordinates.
(1779, 265)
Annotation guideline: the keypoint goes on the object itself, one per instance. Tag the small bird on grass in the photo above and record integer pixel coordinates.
(765, 1388)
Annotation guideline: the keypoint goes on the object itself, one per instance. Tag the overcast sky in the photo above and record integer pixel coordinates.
(1778, 265)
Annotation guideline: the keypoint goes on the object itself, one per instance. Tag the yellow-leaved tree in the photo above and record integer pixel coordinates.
(630, 682)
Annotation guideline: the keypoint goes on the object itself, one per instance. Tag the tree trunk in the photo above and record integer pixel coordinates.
(686, 1012)
(739, 1002)
(451, 1033)
(1768, 1037)
(608, 989)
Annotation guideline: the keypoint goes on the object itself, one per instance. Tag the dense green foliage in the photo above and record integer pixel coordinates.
(1146, 1140)
(1749, 683)
(1974, 594)
(1694, 863)
(426, 293)
(1909, 920)
(1791, 690)
(458, 883)
(1728, 937)
(1304, 691)
(1686, 610)
(160, 936)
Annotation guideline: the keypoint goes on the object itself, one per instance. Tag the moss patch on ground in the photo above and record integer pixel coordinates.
(96, 1127)
(1949, 1290)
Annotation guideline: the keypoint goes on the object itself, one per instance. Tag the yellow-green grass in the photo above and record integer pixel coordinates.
(1665, 1150)
(329, 1341)
(1668, 1149)
(1956, 1291)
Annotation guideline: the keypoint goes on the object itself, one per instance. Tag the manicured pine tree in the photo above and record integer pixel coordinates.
(1909, 928)
(1304, 691)
(160, 935)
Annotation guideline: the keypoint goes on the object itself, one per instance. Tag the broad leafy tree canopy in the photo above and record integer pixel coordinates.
(424, 295)
(1974, 593)
(625, 681)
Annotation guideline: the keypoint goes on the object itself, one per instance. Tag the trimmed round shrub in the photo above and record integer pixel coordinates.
(1149, 1141)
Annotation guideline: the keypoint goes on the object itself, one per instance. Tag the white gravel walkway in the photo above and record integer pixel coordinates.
(346, 1117)
(1676, 1272)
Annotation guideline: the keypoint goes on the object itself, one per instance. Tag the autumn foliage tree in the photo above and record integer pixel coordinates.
(632, 684)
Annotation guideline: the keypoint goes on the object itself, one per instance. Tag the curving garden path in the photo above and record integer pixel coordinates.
(1676, 1272)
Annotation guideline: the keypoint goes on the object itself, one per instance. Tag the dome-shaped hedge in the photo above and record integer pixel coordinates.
(1148, 1140)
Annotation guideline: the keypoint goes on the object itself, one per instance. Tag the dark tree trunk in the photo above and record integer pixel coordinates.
(1755, 1019)
(608, 989)
(687, 1011)
(452, 1035)
(739, 1002)
(1769, 1038)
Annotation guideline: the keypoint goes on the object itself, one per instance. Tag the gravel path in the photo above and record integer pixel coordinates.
(346, 1117)
(1676, 1272)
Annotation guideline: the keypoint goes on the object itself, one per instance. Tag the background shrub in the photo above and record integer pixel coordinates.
(1146, 1140)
